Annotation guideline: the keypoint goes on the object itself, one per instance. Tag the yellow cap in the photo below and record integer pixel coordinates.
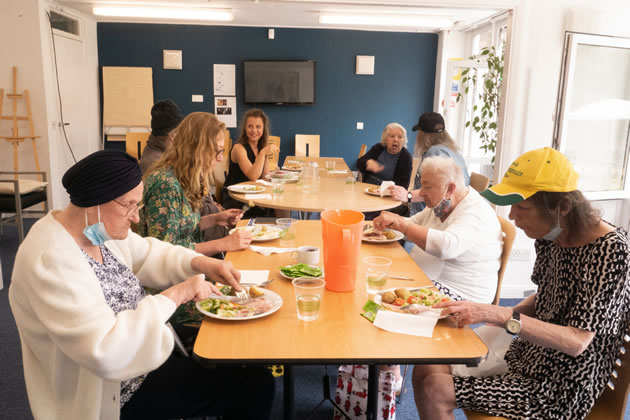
(543, 169)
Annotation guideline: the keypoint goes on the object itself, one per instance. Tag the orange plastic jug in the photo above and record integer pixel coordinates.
(342, 232)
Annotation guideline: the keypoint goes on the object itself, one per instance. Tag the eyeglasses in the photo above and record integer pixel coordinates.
(219, 154)
(131, 208)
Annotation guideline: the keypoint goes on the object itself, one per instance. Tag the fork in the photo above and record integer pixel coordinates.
(242, 294)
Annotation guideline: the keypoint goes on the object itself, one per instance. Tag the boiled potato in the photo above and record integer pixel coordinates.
(388, 297)
(402, 293)
(389, 234)
(255, 291)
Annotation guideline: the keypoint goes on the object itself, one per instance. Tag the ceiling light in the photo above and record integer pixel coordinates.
(419, 21)
(165, 13)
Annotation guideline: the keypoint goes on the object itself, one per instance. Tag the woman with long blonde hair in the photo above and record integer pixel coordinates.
(177, 183)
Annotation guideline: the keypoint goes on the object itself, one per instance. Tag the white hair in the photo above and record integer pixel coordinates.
(388, 127)
(446, 168)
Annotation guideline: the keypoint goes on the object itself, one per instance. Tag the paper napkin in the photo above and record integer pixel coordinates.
(258, 196)
(262, 181)
(254, 276)
(268, 250)
(338, 171)
(385, 186)
(420, 325)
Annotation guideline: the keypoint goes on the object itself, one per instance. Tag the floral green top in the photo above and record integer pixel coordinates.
(167, 214)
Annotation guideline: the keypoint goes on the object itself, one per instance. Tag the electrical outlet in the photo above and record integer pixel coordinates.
(521, 254)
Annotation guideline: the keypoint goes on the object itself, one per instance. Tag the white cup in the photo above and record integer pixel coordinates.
(306, 255)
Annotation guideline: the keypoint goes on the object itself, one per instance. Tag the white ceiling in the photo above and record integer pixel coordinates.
(305, 13)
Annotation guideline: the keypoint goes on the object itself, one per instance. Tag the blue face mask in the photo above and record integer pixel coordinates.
(96, 233)
(555, 231)
(443, 207)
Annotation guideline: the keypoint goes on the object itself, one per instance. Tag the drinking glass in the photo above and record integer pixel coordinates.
(308, 297)
(289, 226)
(277, 187)
(376, 272)
(330, 165)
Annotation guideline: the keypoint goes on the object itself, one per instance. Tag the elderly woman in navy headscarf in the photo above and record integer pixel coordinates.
(93, 344)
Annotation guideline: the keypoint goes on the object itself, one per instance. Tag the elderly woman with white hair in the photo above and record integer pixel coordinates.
(457, 237)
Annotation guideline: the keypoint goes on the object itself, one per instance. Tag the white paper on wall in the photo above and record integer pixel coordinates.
(224, 79)
(225, 110)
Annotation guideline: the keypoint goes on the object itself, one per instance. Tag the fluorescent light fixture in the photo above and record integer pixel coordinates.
(181, 13)
(418, 21)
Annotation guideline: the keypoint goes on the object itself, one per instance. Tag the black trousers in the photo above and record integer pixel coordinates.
(181, 388)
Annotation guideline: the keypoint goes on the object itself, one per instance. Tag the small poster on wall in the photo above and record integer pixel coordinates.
(224, 79)
(225, 110)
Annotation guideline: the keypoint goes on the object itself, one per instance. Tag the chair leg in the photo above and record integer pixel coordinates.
(18, 216)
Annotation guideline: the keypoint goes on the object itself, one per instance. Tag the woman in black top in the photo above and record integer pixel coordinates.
(249, 157)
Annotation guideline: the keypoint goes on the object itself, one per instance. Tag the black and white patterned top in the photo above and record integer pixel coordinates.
(122, 291)
(587, 288)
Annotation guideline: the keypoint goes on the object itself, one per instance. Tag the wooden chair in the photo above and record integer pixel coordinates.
(273, 160)
(221, 170)
(362, 150)
(414, 169)
(478, 181)
(509, 233)
(135, 142)
(611, 405)
(20, 194)
(307, 145)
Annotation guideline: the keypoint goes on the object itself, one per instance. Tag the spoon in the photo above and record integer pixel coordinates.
(263, 284)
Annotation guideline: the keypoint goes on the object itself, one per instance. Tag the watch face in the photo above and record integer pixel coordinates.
(513, 326)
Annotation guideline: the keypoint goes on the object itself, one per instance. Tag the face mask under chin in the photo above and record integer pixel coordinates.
(555, 231)
(96, 233)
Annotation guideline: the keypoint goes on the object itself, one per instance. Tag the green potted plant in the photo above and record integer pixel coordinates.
(486, 81)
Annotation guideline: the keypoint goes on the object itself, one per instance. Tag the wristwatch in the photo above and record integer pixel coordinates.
(513, 325)
(409, 196)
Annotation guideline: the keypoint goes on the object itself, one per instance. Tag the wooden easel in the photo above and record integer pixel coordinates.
(15, 137)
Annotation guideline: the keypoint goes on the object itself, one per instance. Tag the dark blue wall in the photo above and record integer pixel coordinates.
(400, 89)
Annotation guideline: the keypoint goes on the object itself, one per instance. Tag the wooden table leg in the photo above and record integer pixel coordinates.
(288, 395)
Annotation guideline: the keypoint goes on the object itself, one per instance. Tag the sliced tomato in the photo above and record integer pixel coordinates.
(444, 299)
(412, 299)
(398, 302)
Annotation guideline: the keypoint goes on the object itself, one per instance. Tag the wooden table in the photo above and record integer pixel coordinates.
(340, 335)
(333, 193)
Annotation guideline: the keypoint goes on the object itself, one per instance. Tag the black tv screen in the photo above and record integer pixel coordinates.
(279, 82)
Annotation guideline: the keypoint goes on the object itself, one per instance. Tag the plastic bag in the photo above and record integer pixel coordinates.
(351, 393)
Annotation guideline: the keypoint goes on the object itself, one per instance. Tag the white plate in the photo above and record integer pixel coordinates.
(377, 299)
(292, 168)
(290, 178)
(399, 236)
(246, 188)
(270, 233)
(274, 298)
(291, 278)
(377, 193)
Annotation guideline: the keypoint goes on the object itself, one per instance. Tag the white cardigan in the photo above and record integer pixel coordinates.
(75, 350)
(463, 252)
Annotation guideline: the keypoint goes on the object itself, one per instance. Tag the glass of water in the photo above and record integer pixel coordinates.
(308, 297)
(376, 272)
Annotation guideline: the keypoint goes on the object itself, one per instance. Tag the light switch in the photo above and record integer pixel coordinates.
(359, 126)
(197, 98)
(172, 59)
(271, 34)
(365, 64)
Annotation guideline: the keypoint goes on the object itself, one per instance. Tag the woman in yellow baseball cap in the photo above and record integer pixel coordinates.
(568, 334)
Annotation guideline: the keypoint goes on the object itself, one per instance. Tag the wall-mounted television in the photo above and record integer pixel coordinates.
(279, 82)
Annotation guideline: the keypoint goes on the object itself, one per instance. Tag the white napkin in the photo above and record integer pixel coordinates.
(258, 196)
(385, 186)
(420, 325)
(254, 276)
(268, 250)
(297, 162)
(337, 171)
(262, 181)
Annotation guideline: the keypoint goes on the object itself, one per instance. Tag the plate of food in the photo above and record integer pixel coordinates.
(376, 190)
(262, 232)
(300, 270)
(411, 301)
(286, 176)
(295, 167)
(246, 188)
(379, 237)
(231, 308)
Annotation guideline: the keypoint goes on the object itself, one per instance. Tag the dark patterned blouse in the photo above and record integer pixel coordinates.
(122, 291)
(587, 288)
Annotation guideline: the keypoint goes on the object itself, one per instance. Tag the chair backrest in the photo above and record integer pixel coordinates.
(611, 405)
(273, 160)
(304, 140)
(479, 182)
(414, 169)
(220, 171)
(509, 233)
(362, 150)
(135, 142)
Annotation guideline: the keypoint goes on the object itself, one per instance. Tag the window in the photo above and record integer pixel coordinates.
(593, 122)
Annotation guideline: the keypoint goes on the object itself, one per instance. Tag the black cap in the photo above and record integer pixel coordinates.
(101, 177)
(165, 116)
(430, 122)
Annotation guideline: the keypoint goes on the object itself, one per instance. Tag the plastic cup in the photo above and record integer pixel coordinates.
(277, 187)
(376, 272)
(289, 226)
(308, 297)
